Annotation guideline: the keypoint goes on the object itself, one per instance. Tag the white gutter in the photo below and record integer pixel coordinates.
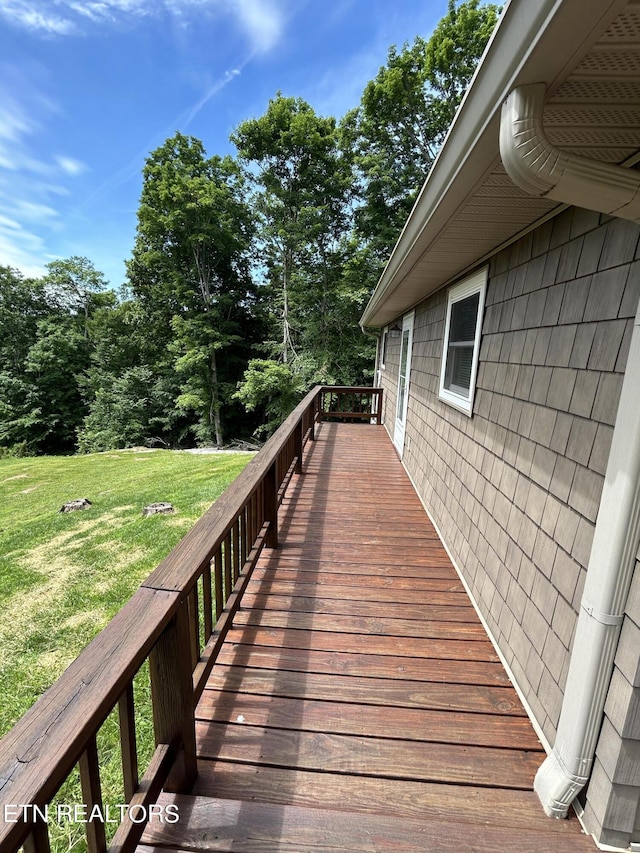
(538, 167)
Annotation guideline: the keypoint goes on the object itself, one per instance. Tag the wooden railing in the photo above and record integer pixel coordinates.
(342, 402)
(177, 621)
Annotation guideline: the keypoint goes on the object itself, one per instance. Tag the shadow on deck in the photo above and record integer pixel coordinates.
(357, 703)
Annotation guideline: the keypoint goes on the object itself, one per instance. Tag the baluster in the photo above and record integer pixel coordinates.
(38, 839)
(248, 528)
(298, 437)
(228, 583)
(243, 537)
(206, 603)
(128, 746)
(254, 518)
(194, 626)
(217, 582)
(92, 796)
(271, 506)
(235, 531)
(312, 418)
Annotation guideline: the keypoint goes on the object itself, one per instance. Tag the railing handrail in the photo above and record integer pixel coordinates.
(198, 545)
(40, 751)
(45, 744)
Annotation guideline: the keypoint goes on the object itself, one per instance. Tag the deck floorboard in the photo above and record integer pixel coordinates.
(357, 703)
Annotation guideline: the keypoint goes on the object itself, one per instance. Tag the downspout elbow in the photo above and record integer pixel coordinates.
(541, 169)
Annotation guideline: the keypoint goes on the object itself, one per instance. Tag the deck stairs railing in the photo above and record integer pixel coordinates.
(176, 623)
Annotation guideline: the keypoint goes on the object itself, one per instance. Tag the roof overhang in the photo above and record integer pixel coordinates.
(469, 207)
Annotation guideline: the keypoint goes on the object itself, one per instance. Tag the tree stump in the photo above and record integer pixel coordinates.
(160, 508)
(73, 506)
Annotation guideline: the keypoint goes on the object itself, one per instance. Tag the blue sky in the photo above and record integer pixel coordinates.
(88, 88)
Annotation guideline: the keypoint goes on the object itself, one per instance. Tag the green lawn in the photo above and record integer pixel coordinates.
(63, 576)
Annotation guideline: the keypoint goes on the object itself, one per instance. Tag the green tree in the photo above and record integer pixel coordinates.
(404, 115)
(129, 386)
(43, 353)
(47, 405)
(190, 270)
(22, 304)
(304, 182)
(123, 410)
(274, 389)
(73, 284)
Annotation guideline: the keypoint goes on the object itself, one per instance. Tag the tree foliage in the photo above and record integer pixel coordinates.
(404, 115)
(248, 276)
(42, 354)
(189, 269)
(303, 186)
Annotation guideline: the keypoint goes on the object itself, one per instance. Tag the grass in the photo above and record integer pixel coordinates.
(64, 575)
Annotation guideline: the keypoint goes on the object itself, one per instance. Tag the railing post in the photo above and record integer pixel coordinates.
(271, 506)
(172, 698)
(298, 437)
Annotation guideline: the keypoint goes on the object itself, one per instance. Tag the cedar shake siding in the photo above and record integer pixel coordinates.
(515, 489)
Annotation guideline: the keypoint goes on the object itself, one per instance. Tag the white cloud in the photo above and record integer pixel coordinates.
(261, 20)
(32, 185)
(32, 16)
(71, 166)
(35, 211)
(21, 248)
(9, 224)
(13, 123)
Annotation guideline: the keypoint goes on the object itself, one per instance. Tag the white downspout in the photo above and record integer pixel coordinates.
(536, 166)
(539, 168)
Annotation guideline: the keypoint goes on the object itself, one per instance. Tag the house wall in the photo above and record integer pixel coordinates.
(515, 489)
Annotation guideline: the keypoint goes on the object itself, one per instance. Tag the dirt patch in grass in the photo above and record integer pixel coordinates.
(58, 563)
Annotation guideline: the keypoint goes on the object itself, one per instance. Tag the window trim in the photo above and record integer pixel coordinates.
(476, 283)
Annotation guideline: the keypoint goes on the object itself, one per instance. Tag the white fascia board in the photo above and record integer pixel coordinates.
(535, 41)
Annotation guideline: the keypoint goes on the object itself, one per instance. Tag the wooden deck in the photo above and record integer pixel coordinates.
(357, 704)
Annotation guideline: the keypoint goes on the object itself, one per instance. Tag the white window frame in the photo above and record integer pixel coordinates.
(476, 283)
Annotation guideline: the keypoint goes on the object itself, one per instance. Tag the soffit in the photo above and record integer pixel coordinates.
(593, 109)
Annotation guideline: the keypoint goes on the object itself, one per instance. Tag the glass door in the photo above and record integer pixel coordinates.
(404, 372)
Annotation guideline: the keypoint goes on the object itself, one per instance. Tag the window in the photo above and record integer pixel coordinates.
(465, 306)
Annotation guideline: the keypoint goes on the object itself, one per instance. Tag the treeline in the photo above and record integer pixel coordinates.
(248, 275)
